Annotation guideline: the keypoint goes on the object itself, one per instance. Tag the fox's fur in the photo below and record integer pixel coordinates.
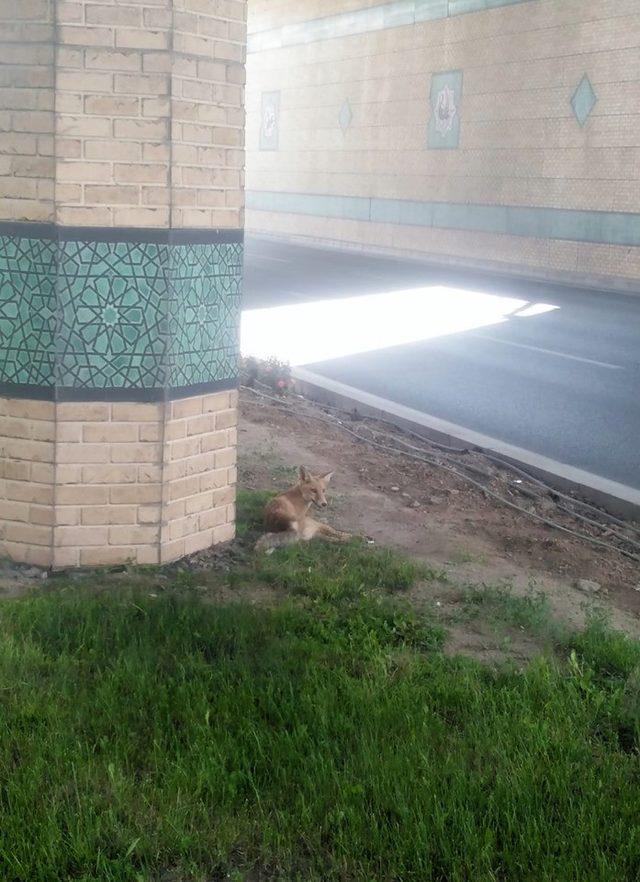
(286, 517)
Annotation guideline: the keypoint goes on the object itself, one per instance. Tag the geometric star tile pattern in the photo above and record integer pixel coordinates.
(112, 324)
(27, 311)
(118, 315)
(204, 311)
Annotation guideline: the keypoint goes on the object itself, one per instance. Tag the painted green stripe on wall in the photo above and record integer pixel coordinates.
(595, 227)
(369, 20)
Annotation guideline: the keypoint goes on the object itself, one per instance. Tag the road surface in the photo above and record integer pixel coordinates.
(553, 370)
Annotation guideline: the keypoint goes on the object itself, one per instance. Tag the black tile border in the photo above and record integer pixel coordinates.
(143, 235)
(153, 395)
(20, 390)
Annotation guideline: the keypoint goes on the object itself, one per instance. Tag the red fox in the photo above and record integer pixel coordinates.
(285, 517)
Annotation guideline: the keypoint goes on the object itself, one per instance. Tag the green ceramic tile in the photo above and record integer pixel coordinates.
(100, 315)
(27, 311)
(203, 313)
(443, 131)
(605, 227)
(367, 20)
(584, 100)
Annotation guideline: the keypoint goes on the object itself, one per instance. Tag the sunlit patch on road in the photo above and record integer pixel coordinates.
(304, 333)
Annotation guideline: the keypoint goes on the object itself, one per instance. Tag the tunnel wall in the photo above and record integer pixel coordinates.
(486, 133)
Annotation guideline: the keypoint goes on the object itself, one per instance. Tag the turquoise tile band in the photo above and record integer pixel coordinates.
(368, 20)
(27, 310)
(596, 227)
(134, 319)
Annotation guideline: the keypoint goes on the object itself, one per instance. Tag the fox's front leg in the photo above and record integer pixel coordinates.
(318, 530)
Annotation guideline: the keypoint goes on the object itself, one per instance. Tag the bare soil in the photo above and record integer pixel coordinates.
(435, 516)
(425, 512)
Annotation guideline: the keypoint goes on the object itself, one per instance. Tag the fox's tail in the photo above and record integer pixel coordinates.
(270, 541)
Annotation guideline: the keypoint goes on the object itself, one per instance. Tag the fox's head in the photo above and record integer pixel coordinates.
(313, 487)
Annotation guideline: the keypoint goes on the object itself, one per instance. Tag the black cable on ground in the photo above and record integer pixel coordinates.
(421, 457)
(493, 457)
(550, 494)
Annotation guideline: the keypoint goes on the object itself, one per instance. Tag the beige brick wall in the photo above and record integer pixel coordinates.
(113, 112)
(26, 110)
(208, 113)
(520, 143)
(27, 431)
(96, 484)
(199, 474)
(133, 116)
(149, 126)
(108, 483)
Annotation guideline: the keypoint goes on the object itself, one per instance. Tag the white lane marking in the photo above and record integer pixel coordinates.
(603, 364)
(251, 257)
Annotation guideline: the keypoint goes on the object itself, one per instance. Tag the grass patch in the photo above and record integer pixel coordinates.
(325, 571)
(531, 611)
(332, 572)
(250, 509)
(165, 739)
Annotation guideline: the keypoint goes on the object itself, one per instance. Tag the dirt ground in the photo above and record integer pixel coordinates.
(469, 538)
(438, 518)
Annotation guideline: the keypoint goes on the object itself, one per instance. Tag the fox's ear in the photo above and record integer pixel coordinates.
(304, 474)
(326, 478)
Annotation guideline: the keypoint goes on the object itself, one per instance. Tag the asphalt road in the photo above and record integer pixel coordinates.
(550, 369)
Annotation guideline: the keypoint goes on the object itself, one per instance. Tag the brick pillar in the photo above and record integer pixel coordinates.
(121, 157)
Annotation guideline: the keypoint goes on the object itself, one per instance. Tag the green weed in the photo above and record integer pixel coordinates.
(328, 739)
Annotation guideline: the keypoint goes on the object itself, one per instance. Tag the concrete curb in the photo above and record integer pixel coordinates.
(619, 499)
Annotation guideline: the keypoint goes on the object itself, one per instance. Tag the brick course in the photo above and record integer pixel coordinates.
(126, 87)
(26, 480)
(129, 483)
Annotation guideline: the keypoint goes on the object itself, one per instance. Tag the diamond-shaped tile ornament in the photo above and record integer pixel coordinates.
(584, 100)
(346, 116)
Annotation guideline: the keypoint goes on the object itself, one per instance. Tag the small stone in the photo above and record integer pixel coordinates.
(416, 504)
(395, 489)
(437, 500)
(588, 586)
